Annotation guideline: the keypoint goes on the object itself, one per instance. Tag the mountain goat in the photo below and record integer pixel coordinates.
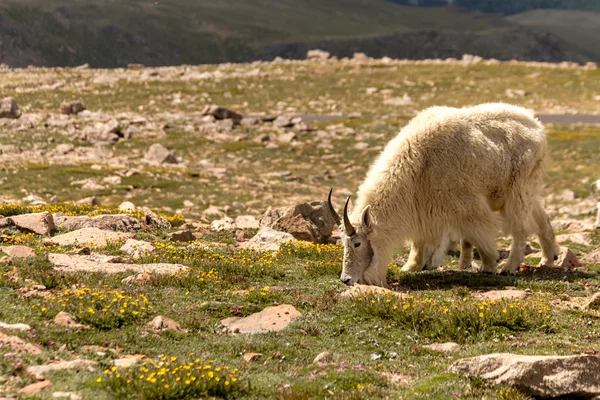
(446, 174)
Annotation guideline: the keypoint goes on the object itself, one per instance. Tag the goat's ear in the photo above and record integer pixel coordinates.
(366, 217)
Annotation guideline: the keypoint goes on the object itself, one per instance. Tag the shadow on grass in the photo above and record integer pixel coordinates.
(436, 280)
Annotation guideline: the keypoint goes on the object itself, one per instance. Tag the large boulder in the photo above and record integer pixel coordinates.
(108, 265)
(8, 108)
(112, 222)
(313, 222)
(573, 377)
(88, 237)
(271, 319)
(38, 223)
(159, 154)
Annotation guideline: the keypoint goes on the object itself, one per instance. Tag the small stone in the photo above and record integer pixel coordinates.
(222, 113)
(567, 260)
(317, 54)
(35, 388)
(65, 319)
(240, 236)
(39, 371)
(64, 148)
(135, 66)
(137, 279)
(17, 344)
(323, 357)
(397, 379)
(73, 107)
(158, 154)
(271, 319)
(267, 239)
(223, 224)
(8, 108)
(91, 201)
(283, 121)
(368, 290)
(246, 222)
(583, 238)
(18, 251)
(66, 395)
(249, 357)
(137, 248)
(38, 223)
(594, 302)
(161, 323)
(508, 294)
(16, 327)
(128, 360)
(127, 207)
(443, 347)
(182, 236)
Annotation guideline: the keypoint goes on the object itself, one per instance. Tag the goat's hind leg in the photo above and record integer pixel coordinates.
(545, 234)
(466, 254)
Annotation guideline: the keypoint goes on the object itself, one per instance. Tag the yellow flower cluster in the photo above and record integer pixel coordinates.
(80, 209)
(455, 317)
(102, 309)
(25, 238)
(193, 253)
(168, 378)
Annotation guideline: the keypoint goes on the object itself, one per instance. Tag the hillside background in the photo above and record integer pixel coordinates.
(113, 33)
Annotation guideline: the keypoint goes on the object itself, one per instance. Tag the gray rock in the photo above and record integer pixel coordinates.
(40, 370)
(221, 113)
(267, 239)
(8, 108)
(91, 201)
(538, 376)
(312, 222)
(182, 236)
(137, 248)
(317, 54)
(443, 347)
(18, 251)
(161, 323)
(246, 222)
(88, 236)
(73, 263)
(72, 107)
(283, 121)
(158, 154)
(567, 260)
(271, 319)
(113, 222)
(38, 223)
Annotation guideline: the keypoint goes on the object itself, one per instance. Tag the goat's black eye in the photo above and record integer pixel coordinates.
(356, 245)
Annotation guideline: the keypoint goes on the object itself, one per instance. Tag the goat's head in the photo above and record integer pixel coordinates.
(358, 252)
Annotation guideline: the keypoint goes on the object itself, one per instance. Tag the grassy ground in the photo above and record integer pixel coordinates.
(370, 338)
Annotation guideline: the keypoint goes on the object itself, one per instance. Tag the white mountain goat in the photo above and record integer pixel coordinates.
(447, 173)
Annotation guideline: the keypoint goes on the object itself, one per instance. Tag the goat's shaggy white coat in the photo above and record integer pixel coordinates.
(447, 172)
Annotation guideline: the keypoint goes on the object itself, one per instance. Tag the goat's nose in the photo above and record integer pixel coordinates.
(346, 280)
